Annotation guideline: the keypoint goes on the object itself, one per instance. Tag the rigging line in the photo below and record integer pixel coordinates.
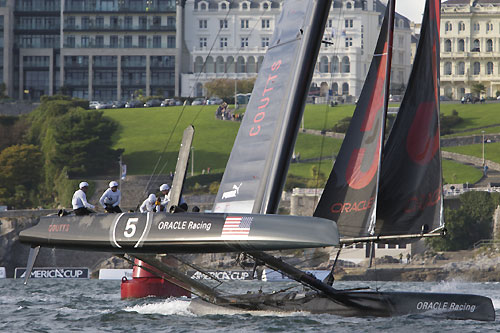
(204, 66)
(235, 64)
(323, 137)
(182, 110)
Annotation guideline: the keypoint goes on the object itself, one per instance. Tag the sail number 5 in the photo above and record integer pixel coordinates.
(130, 227)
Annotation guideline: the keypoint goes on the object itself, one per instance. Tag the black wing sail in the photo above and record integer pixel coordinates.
(257, 167)
(350, 196)
(410, 195)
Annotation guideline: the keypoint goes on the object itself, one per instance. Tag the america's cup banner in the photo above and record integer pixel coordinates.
(257, 166)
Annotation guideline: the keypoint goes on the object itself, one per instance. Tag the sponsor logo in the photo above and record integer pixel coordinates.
(238, 226)
(59, 228)
(448, 306)
(423, 201)
(184, 225)
(233, 193)
(222, 275)
(348, 207)
(264, 101)
(53, 273)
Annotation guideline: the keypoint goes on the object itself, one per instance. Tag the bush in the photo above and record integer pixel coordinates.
(448, 122)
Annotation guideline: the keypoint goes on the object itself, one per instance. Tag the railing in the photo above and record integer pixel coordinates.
(486, 242)
(87, 8)
(118, 27)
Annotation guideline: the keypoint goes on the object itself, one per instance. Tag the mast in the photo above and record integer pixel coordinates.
(257, 167)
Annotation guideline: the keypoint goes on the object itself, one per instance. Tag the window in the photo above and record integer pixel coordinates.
(489, 68)
(348, 41)
(70, 41)
(203, 42)
(264, 41)
(128, 21)
(127, 41)
(345, 89)
(461, 45)
(244, 6)
(489, 45)
(85, 41)
(113, 41)
(99, 22)
(244, 42)
(475, 46)
(335, 64)
(447, 68)
(244, 24)
(142, 41)
(447, 26)
(156, 42)
(203, 6)
(346, 65)
(223, 24)
(447, 45)
(171, 42)
(323, 65)
(461, 68)
(348, 5)
(348, 23)
(477, 68)
(489, 26)
(99, 41)
(223, 6)
(202, 24)
(461, 26)
(265, 6)
(266, 24)
(223, 42)
(476, 27)
(330, 23)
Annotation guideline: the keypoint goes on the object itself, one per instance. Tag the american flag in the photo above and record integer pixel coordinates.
(237, 226)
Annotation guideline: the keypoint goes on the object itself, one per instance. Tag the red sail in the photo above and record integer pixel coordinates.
(350, 197)
(410, 193)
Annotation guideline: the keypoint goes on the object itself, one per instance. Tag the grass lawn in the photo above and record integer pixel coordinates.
(457, 173)
(144, 134)
(491, 151)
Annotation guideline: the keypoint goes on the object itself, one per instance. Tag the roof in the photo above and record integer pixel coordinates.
(468, 2)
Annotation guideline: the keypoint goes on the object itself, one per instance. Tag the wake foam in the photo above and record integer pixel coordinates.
(166, 307)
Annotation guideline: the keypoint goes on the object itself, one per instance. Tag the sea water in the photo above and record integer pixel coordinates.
(60, 305)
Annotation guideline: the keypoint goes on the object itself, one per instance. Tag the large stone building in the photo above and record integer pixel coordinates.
(229, 39)
(110, 49)
(470, 46)
(93, 49)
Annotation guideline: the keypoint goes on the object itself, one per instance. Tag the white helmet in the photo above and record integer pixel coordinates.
(113, 184)
(152, 198)
(165, 187)
(83, 184)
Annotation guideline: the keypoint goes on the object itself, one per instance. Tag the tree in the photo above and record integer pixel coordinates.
(225, 89)
(20, 174)
(83, 142)
(468, 224)
(478, 88)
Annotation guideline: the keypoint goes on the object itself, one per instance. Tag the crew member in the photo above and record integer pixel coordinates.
(111, 198)
(165, 190)
(79, 201)
(149, 204)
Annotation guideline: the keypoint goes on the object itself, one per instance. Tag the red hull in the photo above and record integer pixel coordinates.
(145, 283)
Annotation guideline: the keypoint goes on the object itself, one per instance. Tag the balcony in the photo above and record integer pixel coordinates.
(88, 8)
(119, 27)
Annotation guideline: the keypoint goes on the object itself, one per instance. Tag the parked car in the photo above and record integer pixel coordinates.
(198, 101)
(168, 102)
(152, 103)
(93, 104)
(214, 101)
(104, 105)
(134, 104)
(119, 104)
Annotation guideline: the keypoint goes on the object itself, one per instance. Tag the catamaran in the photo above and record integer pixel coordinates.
(377, 192)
